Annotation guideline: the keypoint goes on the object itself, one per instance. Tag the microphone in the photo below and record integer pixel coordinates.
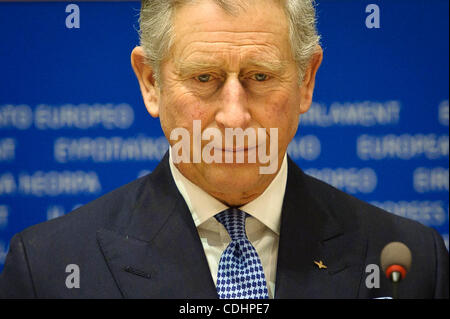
(395, 261)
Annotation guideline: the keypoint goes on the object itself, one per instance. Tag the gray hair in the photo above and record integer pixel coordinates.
(156, 30)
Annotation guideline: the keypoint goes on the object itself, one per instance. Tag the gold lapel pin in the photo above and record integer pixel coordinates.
(320, 264)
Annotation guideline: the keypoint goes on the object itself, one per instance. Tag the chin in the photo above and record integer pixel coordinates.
(234, 178)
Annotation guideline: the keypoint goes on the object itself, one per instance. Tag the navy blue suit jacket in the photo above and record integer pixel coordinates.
(140, 241)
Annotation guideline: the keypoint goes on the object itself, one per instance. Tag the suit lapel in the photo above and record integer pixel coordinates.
(310, 233)
(159, 253)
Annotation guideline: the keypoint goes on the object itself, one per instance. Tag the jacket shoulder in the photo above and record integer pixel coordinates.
(110, 209)
(37, 261)
(347, 208)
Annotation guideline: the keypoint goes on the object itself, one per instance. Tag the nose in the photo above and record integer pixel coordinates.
(233, 111)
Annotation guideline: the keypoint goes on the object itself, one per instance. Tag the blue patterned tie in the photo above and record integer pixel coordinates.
(240, 274)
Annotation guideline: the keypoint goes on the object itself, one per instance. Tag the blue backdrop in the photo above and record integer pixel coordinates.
(73, 125)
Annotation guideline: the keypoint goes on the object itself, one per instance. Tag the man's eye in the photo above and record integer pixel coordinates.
(203, 78)
(260, 77)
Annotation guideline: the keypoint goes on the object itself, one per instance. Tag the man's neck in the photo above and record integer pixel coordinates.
(230, 197)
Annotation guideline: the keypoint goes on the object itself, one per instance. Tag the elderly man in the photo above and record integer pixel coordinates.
(219, 218)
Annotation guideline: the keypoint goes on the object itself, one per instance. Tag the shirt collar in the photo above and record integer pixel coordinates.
(266, 207)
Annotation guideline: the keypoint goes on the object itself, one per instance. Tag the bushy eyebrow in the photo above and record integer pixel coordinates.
(186, 68)
(273, 66)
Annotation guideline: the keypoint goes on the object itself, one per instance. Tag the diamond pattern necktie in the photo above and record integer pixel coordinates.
(240, 274)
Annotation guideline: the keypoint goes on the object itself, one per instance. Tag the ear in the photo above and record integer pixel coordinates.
(309, 80)
(145, 75)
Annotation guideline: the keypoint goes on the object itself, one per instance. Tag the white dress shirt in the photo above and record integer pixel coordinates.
(263, 228)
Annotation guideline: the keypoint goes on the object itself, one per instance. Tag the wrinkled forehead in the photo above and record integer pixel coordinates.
(204, 28)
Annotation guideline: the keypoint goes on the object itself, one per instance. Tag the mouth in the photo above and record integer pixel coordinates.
(236, 149)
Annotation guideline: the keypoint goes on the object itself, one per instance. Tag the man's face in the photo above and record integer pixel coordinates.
(231, 72)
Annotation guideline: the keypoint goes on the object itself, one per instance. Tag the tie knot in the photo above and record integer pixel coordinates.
(233, 220)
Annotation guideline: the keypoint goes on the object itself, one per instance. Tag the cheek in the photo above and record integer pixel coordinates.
(180, 109)
(281, 111)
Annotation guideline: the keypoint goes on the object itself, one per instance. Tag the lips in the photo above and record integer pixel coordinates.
(235, 150)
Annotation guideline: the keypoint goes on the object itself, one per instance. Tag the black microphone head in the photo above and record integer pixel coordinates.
(395, 253)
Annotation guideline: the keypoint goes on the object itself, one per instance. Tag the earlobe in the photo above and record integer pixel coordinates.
(145, 75)
(309, 80)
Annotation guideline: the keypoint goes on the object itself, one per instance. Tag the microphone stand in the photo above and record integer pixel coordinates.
(396, 277)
